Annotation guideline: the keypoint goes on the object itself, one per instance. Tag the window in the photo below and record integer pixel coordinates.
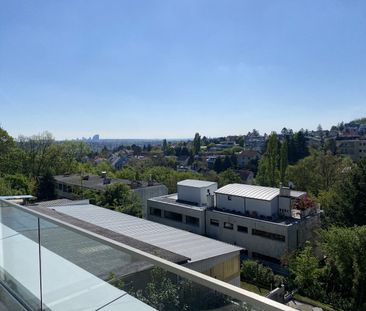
(193, 221)
(214, 222)
(242, 229)
(269, 235)
(155, 212)
(228, 225)
(266, 258)
(60, 187)
(173, 216)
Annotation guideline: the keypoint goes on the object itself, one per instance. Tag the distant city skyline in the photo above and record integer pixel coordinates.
(167, 69)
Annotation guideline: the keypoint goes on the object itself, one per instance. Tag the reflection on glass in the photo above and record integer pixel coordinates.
(19, 255)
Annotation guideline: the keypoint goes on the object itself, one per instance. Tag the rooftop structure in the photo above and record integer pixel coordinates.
(267, 222)
(256, 192)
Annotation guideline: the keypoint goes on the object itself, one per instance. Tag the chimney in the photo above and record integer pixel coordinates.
(285, 191)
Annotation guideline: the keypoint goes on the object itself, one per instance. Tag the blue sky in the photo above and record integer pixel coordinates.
(167, 69)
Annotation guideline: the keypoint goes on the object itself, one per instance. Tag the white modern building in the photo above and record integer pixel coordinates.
(267, 222)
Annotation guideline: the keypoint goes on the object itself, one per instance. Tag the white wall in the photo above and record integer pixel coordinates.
(189, 194)
(261, 207)
(195, 194)
(236, 203)
(204, 193)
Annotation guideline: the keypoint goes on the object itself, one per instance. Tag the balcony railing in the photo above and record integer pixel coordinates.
(47, 264)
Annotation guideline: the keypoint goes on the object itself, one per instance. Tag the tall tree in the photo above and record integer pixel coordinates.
(10, 155)
(283, 160)
(197, 143)
(268, 174)
(165, 146)
(38, 156)
(229, 177)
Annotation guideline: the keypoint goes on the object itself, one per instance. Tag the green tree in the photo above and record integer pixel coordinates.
(283, 161)
(39, 158)
(10, 155)
(165, 146)
(121, 198)
(228, 177)
(345, 250)
(304, 267)
(161, 293)
(254, 272)
(268, 174)
(46, 187)
(345, 203)
(196, 143)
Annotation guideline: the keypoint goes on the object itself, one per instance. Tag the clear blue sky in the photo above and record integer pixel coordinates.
(166, 69)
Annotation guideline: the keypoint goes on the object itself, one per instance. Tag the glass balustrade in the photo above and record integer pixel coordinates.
(49, 265)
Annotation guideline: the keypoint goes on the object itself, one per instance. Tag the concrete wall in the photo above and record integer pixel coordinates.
(163, 206)
(284, 206)
(148, 193)
(225, 267)
(253, 243)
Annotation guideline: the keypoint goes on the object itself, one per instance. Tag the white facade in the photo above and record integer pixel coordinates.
(243, 215)
(195, 191)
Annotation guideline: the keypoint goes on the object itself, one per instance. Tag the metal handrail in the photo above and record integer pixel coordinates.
(225, 288)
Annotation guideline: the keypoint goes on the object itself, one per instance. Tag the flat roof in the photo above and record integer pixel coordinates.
(96, 182)
(172, 199)
(180, 242)
(196, 183)
(249, 191)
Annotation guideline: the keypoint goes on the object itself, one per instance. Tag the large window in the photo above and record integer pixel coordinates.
(266, 258)
(228, 225)
(269, 235)
(173, 216)
(155, 211)
(214, 222)
(193, 221)
(242, 229)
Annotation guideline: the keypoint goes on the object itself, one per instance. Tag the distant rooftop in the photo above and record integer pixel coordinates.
(195, 183)
(254, 192)
(96, 182)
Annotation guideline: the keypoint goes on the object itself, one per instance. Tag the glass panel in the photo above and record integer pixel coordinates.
(19, 255)
(163, 290)
(77, 270)
(80, 273)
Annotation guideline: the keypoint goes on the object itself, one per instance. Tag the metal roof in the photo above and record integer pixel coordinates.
(193, 246)
(196, 183)
(17, 197)
(249, 191)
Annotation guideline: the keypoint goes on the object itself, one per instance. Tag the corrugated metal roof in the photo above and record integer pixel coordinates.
(177, 241)
(196, 183)
(249, 191)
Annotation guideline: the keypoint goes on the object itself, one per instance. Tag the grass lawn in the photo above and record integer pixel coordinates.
(313, 302)
(254, 288)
